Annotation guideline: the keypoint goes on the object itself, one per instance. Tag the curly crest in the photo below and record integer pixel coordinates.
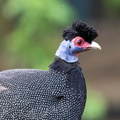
(81, 29)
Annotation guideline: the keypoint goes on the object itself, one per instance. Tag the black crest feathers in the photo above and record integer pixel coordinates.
(80, 29)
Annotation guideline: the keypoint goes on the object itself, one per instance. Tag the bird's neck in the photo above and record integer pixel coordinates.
(64, 52)
(75, 78)
(61, 65)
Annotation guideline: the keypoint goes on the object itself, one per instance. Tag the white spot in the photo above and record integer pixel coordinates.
(2, 88)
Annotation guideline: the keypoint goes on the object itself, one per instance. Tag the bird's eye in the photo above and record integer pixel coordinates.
(79, 42)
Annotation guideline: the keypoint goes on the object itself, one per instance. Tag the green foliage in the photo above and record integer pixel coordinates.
(37, 24)
(96, 106)
(112, 7)
(114, 3)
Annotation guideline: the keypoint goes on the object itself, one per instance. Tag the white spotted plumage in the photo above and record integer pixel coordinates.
(32, 94)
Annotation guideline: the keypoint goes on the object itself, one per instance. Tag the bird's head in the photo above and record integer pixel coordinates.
(77, 38)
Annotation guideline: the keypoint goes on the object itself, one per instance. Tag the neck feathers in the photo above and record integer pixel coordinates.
(75, 78)
(63, 66)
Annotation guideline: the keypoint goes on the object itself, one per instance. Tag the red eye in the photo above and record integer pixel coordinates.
(79, 42)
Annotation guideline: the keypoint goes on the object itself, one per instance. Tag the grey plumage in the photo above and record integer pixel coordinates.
(39, 95)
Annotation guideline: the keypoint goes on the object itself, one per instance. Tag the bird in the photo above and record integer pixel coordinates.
(59, 93)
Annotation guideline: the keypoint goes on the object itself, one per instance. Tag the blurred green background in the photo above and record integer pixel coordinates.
(30, 33)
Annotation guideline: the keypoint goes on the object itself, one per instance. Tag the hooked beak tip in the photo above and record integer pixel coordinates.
(95, 45)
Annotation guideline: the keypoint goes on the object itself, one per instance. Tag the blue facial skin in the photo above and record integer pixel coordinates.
(67, 51)
(75, 49)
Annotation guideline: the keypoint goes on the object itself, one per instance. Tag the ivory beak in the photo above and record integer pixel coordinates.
(95, 45)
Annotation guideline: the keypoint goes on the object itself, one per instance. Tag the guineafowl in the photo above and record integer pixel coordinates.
(56, 94)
